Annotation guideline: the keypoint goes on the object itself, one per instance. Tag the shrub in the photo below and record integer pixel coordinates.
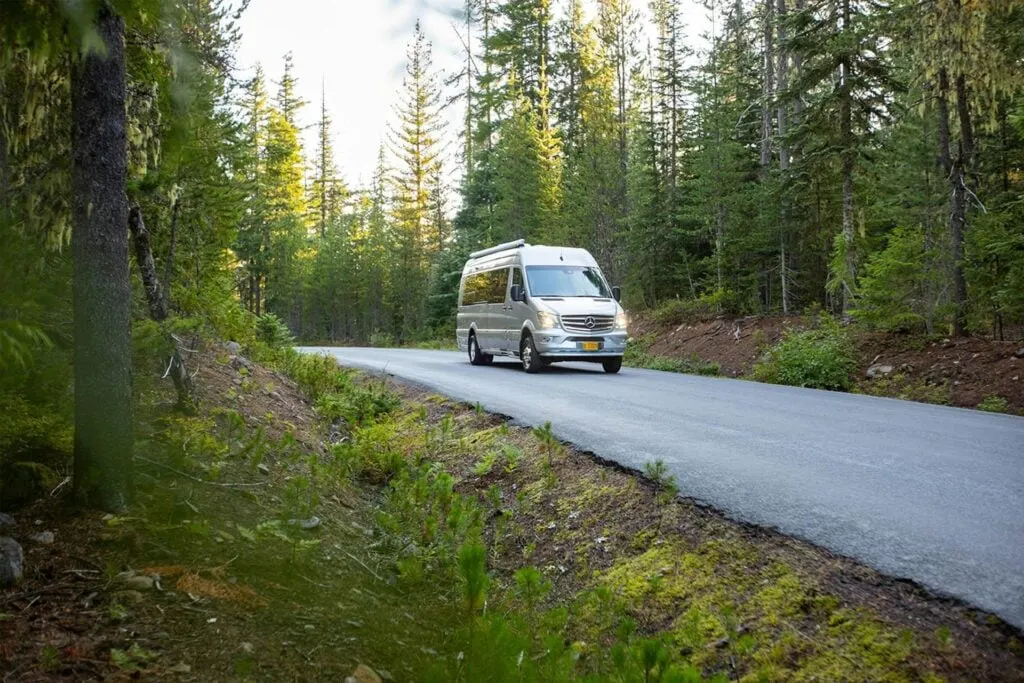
(382, 340)
(272, 331)
(994, 404)
(356, 404)
(820, 358)
(902, 285)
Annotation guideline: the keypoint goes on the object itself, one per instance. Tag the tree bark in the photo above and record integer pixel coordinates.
(102, 289)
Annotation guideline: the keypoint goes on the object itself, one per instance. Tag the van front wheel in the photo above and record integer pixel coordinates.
(476, 356)
(532, 361)
(612, 365)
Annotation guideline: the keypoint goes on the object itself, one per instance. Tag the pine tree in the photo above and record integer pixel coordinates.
(254, 233)
(845, 73)
(417, 147)
(327, 189)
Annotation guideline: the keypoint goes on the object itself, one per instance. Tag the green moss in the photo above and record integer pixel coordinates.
(785, 597)
(856, 647)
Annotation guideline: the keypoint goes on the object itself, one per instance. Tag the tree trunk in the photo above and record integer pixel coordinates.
(962, 166)
(849, 274)
(782, 80)
(169, 264)
(147, 265)
(157, 301)
(102, 289)
(767, 88)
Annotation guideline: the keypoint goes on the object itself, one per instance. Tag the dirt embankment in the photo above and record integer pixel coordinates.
(959, 372)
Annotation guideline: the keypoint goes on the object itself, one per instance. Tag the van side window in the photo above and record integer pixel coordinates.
(498, 285)
(476, 290)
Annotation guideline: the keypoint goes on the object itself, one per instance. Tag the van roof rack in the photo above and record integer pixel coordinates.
(501, 247)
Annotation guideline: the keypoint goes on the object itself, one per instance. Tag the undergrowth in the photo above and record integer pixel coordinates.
(821, 358)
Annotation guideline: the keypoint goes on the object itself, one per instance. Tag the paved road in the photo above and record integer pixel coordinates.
(929, 493)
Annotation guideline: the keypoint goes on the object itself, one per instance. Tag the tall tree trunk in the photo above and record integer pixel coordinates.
(782, 79)
(962, 167)
(157, 300)
(102, 289)
(849, 154)
(767, 88)
(169, 264)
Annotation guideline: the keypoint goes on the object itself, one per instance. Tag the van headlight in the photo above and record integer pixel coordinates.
(547, 321)
(620, 320)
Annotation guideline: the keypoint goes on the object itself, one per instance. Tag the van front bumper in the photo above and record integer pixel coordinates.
(555, 344)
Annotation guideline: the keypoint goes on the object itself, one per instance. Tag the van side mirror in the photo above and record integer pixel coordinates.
(516, 293)
(617, 293)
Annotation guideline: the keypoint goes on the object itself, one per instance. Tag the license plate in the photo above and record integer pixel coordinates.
(591, 346)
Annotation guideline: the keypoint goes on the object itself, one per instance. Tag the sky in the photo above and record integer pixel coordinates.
(355, 49)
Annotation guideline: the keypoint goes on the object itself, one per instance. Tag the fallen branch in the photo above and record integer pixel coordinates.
(363, 565)
(225, 484)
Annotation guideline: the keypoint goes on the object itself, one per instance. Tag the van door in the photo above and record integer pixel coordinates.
(516, 312)
(493, 323)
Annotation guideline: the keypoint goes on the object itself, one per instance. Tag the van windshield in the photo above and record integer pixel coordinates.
(566, 281)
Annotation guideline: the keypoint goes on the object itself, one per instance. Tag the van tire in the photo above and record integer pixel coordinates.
(612, 365)
(476, 356)
(532, 362)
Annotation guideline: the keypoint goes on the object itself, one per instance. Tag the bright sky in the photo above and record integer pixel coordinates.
(357, 48)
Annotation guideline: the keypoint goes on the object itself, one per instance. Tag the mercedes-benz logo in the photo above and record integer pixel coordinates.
(589, 322)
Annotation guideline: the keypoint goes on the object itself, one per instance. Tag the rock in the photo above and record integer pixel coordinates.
(876, 371)
(262, 467)
(307, 524)
(12, 562)
(363, 674)
(1019, 353)
(43, 537)
(137, 582)
(239, 362)
(181, 668)
(233, 347)
(6, 520)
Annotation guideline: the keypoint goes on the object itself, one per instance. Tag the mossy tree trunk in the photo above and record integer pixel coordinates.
(102, 290)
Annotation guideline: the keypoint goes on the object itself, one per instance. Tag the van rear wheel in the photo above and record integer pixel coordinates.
(612, 365)
(532, 362)
(476, 356)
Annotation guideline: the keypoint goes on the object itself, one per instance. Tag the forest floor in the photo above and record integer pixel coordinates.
(959, 372)
(213, 574)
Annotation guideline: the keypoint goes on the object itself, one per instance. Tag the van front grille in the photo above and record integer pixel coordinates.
(588, 323)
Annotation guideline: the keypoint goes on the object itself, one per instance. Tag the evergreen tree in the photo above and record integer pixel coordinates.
(417, 148)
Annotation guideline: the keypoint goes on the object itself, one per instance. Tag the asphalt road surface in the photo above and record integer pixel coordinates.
(928, 493)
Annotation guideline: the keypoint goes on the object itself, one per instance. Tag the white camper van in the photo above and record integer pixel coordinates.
(540, 305)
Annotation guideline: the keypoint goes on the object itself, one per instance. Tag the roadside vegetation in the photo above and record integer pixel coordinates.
(309, 520)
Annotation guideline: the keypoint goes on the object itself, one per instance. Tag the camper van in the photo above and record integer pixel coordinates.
(541, 305)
